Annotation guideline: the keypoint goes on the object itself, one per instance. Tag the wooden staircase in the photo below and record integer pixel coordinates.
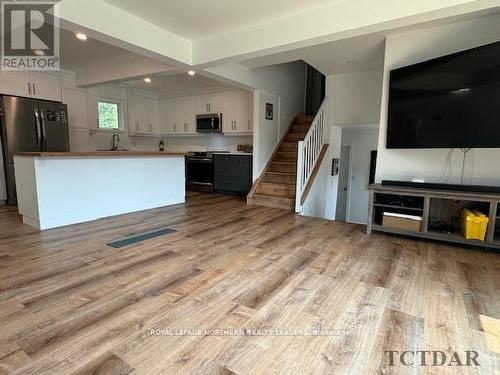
(277, 184)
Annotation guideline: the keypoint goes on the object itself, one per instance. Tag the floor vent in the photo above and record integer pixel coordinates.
(140, 237)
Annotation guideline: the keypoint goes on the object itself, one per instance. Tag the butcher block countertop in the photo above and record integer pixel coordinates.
(98, 153)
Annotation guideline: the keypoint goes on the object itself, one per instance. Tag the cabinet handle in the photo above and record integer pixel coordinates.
(150, 128)
(136, 126)
(209, 108)
(29, 88)
(175, 128)
(34, 89)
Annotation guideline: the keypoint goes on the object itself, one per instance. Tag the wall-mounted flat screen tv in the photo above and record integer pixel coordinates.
(448, 102)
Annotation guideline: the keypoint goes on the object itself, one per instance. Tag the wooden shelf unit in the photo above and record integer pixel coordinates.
(427, 195)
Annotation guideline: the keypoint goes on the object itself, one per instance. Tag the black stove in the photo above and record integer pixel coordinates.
(200, 170)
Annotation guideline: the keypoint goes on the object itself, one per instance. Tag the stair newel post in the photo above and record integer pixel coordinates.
(300, 176)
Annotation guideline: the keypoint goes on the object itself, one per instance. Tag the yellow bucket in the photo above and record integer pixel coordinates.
(473, 224)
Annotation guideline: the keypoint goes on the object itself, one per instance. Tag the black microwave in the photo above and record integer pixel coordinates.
(211, 123)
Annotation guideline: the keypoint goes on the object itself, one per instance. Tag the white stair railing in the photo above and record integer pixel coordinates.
(308, 152)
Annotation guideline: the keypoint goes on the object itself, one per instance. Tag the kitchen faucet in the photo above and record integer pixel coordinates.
(116, 139)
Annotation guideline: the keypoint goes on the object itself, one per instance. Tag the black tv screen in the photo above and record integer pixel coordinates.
(448, 102)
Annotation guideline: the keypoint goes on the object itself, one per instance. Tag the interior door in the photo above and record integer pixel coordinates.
(343, 193)
(54, 126)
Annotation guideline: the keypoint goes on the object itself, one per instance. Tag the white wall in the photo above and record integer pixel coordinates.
(354, 97)
(266, 132)
(322, 199)
(362, 141)
(436, 165)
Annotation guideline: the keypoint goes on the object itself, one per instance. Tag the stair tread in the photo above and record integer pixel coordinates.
(268, 195)
(285, 162)
(283, 173)
(275, 183)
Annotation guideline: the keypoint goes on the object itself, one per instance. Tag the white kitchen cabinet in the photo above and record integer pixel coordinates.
(209, 103)
(235, 116)
(250, 112)
(146, 114)
(171, 106)
(46, 86)
(76, 100)
(31, 84)
(15, 83)
(186, 115)
(153, 114)
(163, 117)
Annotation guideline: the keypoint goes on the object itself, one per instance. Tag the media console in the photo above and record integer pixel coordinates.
(438, 186)
(438, 209)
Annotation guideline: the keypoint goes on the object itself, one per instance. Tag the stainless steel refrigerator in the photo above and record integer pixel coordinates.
(30, 125)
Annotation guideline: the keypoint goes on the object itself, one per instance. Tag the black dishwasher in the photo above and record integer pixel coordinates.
(233, 173)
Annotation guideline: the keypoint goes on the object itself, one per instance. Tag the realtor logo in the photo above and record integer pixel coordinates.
(30, 35)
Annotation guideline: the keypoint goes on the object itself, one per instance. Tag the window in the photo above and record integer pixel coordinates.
(109, 114)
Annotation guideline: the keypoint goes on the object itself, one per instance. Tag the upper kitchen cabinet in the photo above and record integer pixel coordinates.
(76, 100)
(178, 115)
(186, 115)
(46, 86)
(146, 113)
(235, 116)
(15, 83)
(209, 103)
(31, 84)
(250, 112)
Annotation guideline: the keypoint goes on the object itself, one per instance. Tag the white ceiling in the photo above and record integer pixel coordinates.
(175, 84)
(76, 54)
(360, 54)
(195, 19)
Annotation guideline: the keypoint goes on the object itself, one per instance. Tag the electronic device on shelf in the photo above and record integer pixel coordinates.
(439, 186)
(447, 102)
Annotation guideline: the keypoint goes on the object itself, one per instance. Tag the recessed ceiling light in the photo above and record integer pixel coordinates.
(81, 36)
(191, 72)
(39, 52)
(147, 80)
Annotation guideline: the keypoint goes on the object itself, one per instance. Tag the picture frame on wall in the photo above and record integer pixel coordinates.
(269, 111)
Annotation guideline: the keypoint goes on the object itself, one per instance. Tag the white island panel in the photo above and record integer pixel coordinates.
(54, 192)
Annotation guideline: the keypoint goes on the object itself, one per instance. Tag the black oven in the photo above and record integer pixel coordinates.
(211, 123)
(200, 171)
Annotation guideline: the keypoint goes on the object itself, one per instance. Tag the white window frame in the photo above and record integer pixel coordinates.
(121, 114)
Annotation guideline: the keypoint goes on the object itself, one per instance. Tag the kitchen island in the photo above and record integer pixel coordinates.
(61, 188)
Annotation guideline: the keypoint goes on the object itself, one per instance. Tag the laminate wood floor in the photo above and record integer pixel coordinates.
(70, 304)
